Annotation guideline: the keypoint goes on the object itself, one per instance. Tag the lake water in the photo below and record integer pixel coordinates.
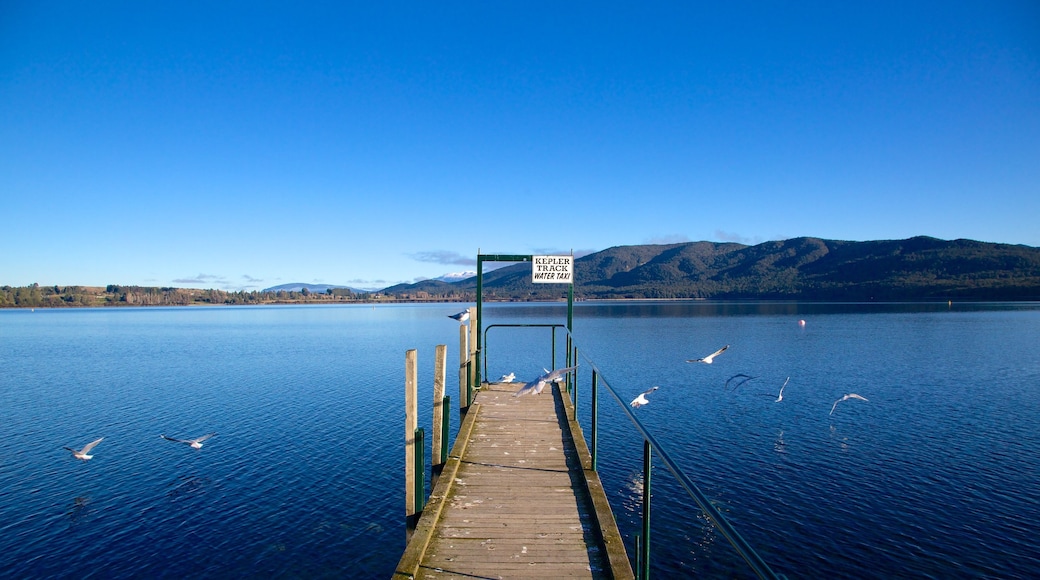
(937, 475)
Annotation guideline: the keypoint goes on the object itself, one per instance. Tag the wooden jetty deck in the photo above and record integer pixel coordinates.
(517, 498)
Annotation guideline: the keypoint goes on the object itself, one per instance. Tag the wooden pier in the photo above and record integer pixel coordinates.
(517, 498)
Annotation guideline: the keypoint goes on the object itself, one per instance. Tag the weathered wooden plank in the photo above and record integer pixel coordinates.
(517, 504)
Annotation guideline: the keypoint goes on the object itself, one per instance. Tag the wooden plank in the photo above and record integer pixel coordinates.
(514, 510)
(515, 501)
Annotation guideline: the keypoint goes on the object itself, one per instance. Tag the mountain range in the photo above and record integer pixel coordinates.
(918, 268)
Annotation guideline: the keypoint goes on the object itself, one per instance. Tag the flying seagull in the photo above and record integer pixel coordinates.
(641, 399)
(745, 378)
(82, 453)
(707, 360)
(538, 384)
(507, 378)
(194, 443)
(845, 398)
(780, 397)
(461, 316)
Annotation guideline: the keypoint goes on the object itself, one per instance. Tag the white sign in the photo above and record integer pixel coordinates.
(552, 269)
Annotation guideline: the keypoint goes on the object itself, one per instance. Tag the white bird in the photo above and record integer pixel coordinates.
(507, 378)
(461, 316)
(708, 359)
(845, 398)
(641, 399)
(82, 454)
(538, 384)
(194, 443)
(780, 397)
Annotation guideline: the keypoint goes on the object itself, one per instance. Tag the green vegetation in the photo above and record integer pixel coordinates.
(920, 268)
(37, 296)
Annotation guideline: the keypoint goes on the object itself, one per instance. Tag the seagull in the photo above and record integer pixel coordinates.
(461, 316)
(507, 378)
(780, 397)
(641, 399)
(82, 453)
(738, 376)
(194, 443)
(845, 398)
(538, 384)
(707, 360)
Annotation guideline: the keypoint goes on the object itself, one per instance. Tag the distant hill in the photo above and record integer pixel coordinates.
(919, 268)
(299, 286)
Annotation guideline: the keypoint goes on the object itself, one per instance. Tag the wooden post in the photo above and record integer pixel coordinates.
(463, 358)
(411, 423)
(475, 374)
(439, 376)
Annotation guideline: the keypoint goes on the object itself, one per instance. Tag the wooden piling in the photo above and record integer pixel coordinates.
(463, 359)
(439, 377)
(411, 423)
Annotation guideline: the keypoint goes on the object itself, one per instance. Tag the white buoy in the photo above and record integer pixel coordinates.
(801, 322)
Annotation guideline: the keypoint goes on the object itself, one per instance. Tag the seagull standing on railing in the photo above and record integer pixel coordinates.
(641, 399)
(193, 443)
(461, 316)
(708, 359)
(845, 398)
(82, 454)
(538, 384)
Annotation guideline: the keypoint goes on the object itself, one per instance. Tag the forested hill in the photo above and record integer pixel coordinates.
(920, 268)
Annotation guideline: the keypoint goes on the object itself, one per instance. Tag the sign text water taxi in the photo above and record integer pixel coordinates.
(552, 269)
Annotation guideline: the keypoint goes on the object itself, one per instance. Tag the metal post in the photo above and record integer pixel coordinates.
(420, 470)
(469, 383)
(567, 362)
(553, 346)
(570, 300)
(644, 555)
(575, 390)
(445, 428)
(639, 557)
(595, 414)
(480, 309)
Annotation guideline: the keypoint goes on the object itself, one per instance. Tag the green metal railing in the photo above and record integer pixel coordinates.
(420, 470)
(445, 428)
(552, 345)
(651, 447)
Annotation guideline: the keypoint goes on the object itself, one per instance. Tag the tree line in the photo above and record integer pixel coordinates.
(37, 296)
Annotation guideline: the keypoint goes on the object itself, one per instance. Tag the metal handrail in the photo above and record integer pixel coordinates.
(744, 549)
(650, 446)
(553, 346)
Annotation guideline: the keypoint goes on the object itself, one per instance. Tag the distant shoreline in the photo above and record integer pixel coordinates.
(393, 301)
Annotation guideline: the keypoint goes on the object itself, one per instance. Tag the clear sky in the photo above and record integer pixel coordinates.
(244, 145)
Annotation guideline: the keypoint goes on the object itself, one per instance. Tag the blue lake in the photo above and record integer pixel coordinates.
(937, 475)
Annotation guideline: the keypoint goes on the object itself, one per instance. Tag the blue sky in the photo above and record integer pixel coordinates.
(245, 145)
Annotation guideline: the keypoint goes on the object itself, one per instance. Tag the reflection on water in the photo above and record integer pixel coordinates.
(187, 486)
(778, 445)
(79, 510)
